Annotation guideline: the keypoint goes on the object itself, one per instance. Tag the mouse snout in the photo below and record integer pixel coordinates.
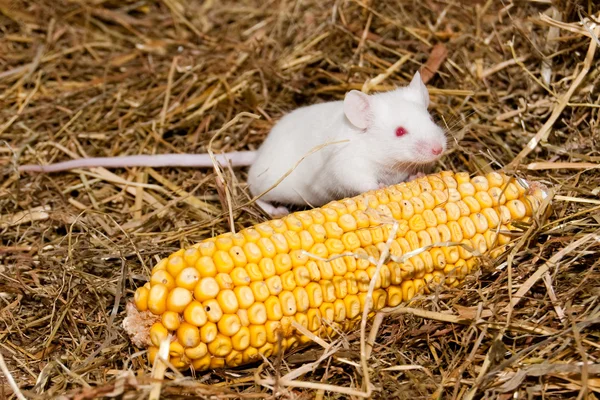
(436, 149)
(429, 149)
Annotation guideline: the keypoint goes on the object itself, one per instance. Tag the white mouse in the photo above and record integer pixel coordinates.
(387, 137)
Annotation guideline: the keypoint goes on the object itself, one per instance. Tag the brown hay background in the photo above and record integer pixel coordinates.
(92, 77)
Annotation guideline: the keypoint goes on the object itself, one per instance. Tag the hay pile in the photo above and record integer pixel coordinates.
(107, 77)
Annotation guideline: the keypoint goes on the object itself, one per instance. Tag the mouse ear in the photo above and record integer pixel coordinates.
(357, 107)
(420, 89)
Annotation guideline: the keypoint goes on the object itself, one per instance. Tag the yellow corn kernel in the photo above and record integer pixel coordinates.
(339, 309)
(161, 265)
(208, 332)
(274, 331)
(362, 280)
(315, 294)
(164, 278)
(339, 267)
(306, 240)
(484, 199)
(466, 189)
(305, 218)
(498, 197)
(468, 227)
(267, 350)
(196, 353)
(264, 230)
(206, 289)
(229, 324)
(250, 354)
(175, 265)
(328, 291)
(243, 316)
(188, 335)
(480, 183)
(257, 313)
(274, 285)
(327, 312)
(258, 335)
(217, 362)
(234, 358)
(188, 278)
(352, 305)
(191, 255)
(293, 223)
(288, 303)
(394, 296)
(516, 208)
(298, 258)
(492, 217)
(224, 281)
(207, 248)
(157, 299)
(351, 282)
(213, 310)
(325, 270)
(141, 298)
(267, 268)
(224, 242)
(480, 222)
(206, 266)
(194, 314)
(301, 276)
(293, 240)
(253, 272)
(260, 290)
(280, 243)
(288, 281)
(301, 297)
(240, 277)
(408, 290)
(176, 349)
(267, 248)
(273, 306)
(333, 230)
(452, 211)
(223, 261)
(221, 346)
(283, 263)
(472, 203)
(504, 214)
(158, 333)
(244, 296)
(341, 287)
(314, 319)
(170, 320)
(228, 301)
(334, 246)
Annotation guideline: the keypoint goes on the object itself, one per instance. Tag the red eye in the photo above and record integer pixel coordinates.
(400, 131)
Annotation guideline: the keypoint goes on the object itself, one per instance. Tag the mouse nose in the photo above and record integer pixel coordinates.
(437, 150)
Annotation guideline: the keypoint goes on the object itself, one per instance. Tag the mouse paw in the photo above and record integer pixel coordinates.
(274, 212)
(416, 176)
(381, 185)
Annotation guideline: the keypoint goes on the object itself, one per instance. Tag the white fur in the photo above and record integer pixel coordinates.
(372, 155)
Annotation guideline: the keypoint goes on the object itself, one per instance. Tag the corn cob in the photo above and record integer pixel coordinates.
(226, 299)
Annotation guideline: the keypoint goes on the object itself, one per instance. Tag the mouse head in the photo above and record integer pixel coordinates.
(399, 120)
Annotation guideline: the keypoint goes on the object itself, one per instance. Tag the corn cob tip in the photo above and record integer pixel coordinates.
(137, 325)
(226, 300)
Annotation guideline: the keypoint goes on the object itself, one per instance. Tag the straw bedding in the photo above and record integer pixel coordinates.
(514, 83)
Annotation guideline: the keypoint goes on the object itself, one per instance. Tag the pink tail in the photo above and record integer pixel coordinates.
(236, 158)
